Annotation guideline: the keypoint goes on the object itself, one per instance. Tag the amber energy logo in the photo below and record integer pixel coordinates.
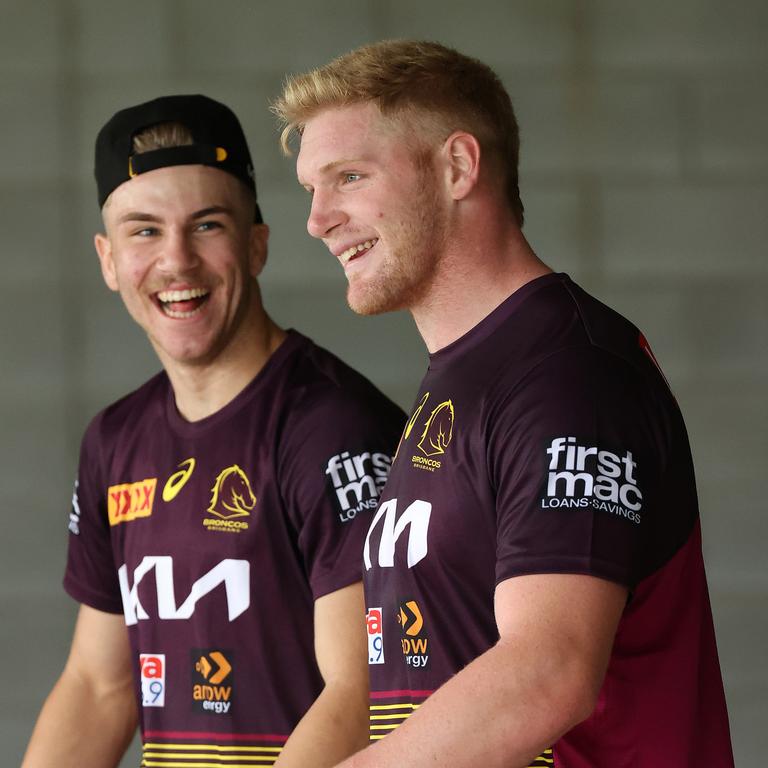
(414, 644)
(178, 480)
(212, 682)
(129, 501)
(231, 498)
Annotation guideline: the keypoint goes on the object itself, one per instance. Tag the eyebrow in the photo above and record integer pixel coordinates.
(223, 209)
(333, 165)
(201, 214)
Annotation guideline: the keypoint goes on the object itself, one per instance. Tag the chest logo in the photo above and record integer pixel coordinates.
(231, 494)
(438, 430)
(178, 480)
(231, 498)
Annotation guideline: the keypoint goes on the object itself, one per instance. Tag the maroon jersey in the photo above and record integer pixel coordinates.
(214, 538)
(546, 440)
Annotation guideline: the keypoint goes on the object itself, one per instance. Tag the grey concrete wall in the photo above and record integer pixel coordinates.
(644, 173)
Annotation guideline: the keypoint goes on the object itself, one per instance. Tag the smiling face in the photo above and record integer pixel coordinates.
(181, 249)
(376, 203)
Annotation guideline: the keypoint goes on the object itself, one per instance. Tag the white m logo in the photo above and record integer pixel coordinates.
(415, 518)
(234, 574)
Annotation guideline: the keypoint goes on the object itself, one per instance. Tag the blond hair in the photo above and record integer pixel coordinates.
(431, 87)
(162, 136)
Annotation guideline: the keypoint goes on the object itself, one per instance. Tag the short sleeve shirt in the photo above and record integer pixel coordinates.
(214, 539)
(546, 440)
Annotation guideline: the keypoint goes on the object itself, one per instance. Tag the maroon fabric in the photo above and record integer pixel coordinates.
(546, 440)
(218, 581)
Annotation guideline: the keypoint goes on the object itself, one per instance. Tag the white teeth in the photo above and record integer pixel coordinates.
(173, 313)
(185, 295)
(345, 256)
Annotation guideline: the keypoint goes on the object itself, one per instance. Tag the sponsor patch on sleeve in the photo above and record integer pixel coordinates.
(580, 476)
(356, 481)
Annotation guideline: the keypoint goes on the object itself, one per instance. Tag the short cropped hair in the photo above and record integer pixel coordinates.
(435, 87)
(162, 136)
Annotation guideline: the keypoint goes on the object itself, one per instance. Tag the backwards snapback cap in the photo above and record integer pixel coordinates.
(218, 141)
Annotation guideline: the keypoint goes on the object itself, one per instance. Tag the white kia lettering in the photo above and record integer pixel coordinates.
(415, 518)
(234, 574)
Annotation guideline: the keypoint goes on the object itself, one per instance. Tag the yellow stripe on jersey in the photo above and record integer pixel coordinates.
(157, 755)
(404, 705)
(545, 760)
(215, 747)
(377, 714)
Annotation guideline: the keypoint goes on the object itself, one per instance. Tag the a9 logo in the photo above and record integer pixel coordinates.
(152, 666)
(374, 626)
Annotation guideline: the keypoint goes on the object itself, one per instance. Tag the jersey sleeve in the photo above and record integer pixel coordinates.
(576, 452)
(334, 462)
(91, 575)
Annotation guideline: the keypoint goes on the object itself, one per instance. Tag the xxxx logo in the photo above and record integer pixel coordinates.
(178, 480)
(130, 501)
(435, 436)
(231, 498)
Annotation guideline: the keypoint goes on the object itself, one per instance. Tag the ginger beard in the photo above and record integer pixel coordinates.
(410, 246)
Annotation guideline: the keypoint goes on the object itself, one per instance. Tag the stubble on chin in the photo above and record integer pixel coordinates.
(405, 275)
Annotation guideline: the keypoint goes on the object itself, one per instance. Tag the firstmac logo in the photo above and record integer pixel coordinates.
(357, 480)
(583, 476)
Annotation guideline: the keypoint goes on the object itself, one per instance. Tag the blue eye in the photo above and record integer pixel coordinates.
(206, 226)
(146, 232)
(351, 177)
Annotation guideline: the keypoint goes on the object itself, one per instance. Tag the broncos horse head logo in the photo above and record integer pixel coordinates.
(231, 495)
(438, 430)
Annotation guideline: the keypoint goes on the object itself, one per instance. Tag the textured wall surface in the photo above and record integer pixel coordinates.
(644, 173)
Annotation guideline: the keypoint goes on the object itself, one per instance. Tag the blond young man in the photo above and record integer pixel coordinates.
(534, 582)
(219, 509)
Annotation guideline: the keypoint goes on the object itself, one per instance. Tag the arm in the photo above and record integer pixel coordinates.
(90, 715)
(336, 725)
(514, 701)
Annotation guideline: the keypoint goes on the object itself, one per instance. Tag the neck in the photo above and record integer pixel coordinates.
(201, 390)
(475, 275)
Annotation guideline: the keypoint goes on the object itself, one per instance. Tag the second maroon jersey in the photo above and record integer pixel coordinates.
(546, 440)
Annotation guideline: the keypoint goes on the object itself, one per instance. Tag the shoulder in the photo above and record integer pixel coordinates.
(321, 383)
(564, 343)
(121, 417)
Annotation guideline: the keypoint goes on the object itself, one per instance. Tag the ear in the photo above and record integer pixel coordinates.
(461, 154)
(257, 251)
(104, 251)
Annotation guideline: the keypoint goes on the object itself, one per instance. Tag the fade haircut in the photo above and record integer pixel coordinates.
(430, 87)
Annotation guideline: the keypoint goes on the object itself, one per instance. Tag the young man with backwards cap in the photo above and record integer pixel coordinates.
(533, 574)
(219, 510)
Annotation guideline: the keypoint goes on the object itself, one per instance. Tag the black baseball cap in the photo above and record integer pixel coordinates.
(218, 141)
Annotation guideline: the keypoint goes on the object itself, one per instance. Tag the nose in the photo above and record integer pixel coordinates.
(324, 214)
(178, 254)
